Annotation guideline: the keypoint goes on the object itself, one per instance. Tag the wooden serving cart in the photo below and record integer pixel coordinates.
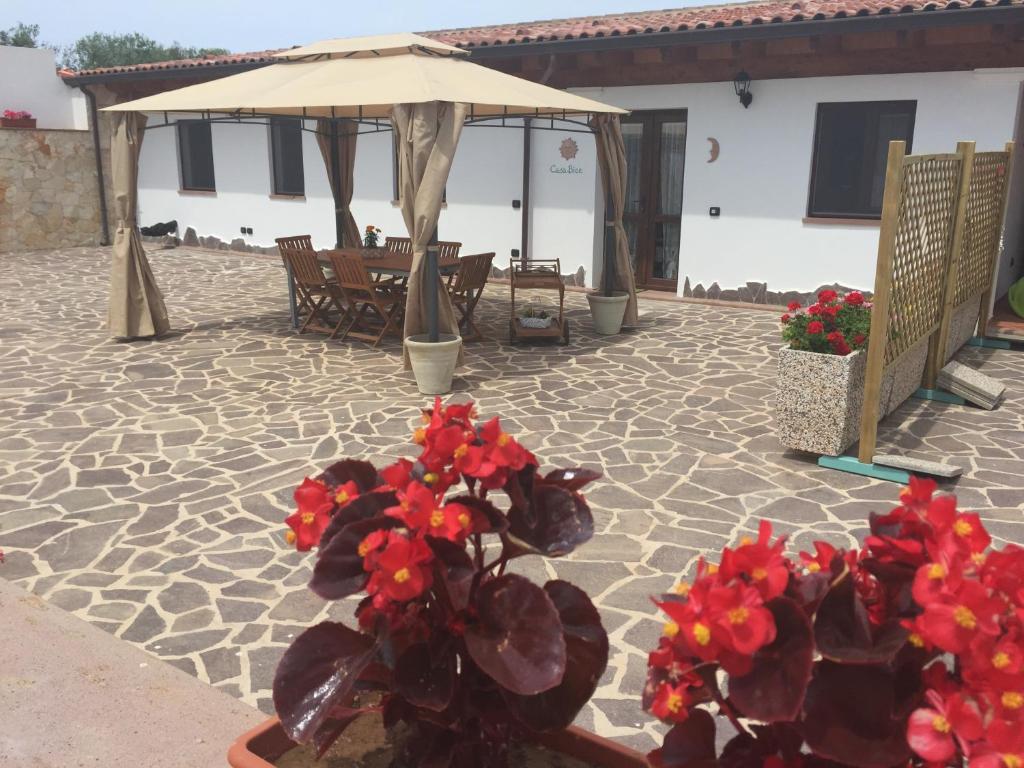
(545, 275)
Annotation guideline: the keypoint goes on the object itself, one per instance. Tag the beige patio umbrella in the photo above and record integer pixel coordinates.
(426, 88)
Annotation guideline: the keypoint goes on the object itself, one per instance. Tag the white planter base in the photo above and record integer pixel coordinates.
(433, 364)
(607, 312)
(821, 397)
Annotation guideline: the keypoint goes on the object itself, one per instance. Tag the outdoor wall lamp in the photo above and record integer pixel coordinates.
(742, 85)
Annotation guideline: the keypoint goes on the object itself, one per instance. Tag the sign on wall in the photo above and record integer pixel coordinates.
(568, 149)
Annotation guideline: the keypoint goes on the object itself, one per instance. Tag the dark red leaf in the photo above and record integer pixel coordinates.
(362, 473)
(774, 689)
(338, 571)
(518, 638)
(425, 680)
(571, 479)
(555, 522)
(690, 744)
(455, 569)
(487, 518)
(843, 632)
(316, 674)
(366, 506)
(850, 716)
(586, 645)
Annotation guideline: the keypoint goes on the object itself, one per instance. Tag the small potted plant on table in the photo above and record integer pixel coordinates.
(17, 119)
(905, 652)
(459, 659)
(371, 237)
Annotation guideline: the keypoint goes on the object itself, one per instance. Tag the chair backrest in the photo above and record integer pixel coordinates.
(295, 242)
(398, 244)
(305, 267)
(352, 273)
(446, 249)
(473, 272)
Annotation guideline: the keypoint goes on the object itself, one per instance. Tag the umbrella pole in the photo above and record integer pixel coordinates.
(608, 274)
(433, 285)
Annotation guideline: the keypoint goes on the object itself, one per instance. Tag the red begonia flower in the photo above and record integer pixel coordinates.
(670, 703)
(401, 571)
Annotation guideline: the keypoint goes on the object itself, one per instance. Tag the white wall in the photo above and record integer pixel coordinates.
(760, 180)
(29, 82)
(1011, 258)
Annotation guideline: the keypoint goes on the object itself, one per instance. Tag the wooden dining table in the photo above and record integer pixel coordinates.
(379, 261)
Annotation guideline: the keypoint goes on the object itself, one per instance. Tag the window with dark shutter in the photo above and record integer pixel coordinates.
(195, 148)
(851, 145)
(286, 156)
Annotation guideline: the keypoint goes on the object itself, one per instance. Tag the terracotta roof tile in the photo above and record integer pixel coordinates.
(635, 23)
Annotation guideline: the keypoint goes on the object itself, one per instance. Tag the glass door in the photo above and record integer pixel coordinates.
(655, 153)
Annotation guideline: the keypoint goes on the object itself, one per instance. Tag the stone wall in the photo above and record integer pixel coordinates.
(48, 195)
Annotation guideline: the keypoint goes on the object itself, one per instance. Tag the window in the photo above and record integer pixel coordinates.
(195, 148)
(286, 156)
(851, 146)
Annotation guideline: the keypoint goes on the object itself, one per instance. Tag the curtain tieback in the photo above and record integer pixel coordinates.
(126, 224)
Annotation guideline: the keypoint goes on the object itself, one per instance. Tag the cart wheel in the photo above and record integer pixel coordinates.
(565, 333)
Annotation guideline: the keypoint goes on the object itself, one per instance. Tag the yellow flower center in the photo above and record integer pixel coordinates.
(436, 518)
(940, 724)
(682, 588)
(503, 440)
(1001, 660)
(1012, 700)
(461, 451)
(916, 640)
(674, 703)
(1012, 761)
(962, 528)
(712, 569)
(401, 575)
(701, 633)
(464, 520)
(419, 436)
(738, 615)
(965, 617)
(671, 629)
(430, 478)
(746, 541)
(978, 558)
(364, 549)
(290, 536)
(936, 571)
(342, 497)
(759, 574)
(308, 518)
(814, 566)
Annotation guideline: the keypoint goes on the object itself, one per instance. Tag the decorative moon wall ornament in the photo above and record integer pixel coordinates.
(714, 149)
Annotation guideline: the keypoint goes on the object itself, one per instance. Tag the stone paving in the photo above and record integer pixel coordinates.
(144, 484)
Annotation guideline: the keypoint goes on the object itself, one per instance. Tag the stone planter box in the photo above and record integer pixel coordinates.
(962, 326)
(821, 397)
(21, 122)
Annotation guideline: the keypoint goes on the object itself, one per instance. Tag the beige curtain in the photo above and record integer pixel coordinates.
(136, 305)
(347, 134)
(428, 134)
(611, 157)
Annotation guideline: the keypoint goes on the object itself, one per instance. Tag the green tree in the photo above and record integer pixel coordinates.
(21, 36)
(101, 49)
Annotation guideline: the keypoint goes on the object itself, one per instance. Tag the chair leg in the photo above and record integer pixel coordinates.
(345, 313)
(314, 312)
(357, 318)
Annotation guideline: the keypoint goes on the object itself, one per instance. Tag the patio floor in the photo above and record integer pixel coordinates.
(144, 485)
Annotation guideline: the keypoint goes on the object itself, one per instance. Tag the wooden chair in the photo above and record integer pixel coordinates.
(398, 244)
(294, 243)
(316, 291)
(368, 300)
(446, 249)
(465, 289)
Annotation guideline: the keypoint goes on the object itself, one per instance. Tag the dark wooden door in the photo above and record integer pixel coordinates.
(655, 152)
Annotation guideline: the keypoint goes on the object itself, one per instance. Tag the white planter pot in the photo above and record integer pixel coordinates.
(607, 312)
(821, 397)
(433, 364)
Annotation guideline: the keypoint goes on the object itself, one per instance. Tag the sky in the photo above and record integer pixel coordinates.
(252, 25)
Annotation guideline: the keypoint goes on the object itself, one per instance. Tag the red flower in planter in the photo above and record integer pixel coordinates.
(739, 619)
(793, 306)
(955, 619)
(760, 562)
(828, 325)
(1003, 746)
(401, 572)
(855, 298)
(815, 327)
(670, 703)
(814, 309)
(827, 295)
(822, 558)
(931, 731)
(310, 520)
(785, 318)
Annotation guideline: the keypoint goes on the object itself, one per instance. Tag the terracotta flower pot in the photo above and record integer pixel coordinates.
(21, 122)
(268, 742)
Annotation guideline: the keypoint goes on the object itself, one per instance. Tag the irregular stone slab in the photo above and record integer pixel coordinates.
(920, 466)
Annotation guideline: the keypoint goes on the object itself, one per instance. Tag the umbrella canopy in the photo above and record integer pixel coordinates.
(364, 77)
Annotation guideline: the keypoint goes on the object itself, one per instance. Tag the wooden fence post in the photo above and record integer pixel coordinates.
(940, 339)
(879, 335)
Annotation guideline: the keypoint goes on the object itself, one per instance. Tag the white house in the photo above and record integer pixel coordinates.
(782, 189)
